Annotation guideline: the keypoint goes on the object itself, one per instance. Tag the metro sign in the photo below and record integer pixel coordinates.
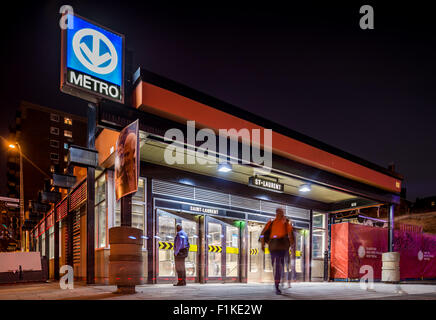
(92, 62)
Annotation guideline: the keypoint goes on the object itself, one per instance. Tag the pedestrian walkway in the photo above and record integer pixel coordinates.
(299, 291)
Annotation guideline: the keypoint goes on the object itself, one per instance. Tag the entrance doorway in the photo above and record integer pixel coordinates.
(259, 262)
(166, 232)
(223, 250)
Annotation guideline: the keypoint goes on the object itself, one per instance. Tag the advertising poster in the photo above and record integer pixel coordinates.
(127, 161)
(417, 254)
(354, 246)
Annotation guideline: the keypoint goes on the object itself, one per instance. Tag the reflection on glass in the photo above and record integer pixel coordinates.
(232, 251)
(138, 209)
(166, 232)
(43, 244)
(100, 215)
(100, 189)
(318, 244)
(318, 220)
(140, 194)
(191, 229)
(214, 258)
(299, 239)
(254, 244)
(51, 238)
(267, 266)
(138, 212)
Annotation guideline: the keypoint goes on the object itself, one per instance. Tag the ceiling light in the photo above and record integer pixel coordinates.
(304, 188)
(224, 167)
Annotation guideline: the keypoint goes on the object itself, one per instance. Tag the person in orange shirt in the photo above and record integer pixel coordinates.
(278, 234)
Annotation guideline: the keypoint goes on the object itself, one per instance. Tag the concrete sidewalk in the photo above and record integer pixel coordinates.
(299, 291)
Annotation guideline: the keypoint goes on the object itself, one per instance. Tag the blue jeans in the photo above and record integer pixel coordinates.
(277, 261)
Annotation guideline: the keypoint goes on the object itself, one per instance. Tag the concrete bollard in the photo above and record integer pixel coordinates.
(391, 267)
(126, 268)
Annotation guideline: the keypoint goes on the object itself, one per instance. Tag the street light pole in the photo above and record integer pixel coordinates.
(23, 242)
(12, 146)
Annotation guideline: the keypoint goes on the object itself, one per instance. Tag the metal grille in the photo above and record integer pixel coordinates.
(193, 193)
(61, 210)
(49, 220)
(297, 212)
(410, 228)
(271, 207)
(173, 189)
(76, 238)
(212, 196)
(78, 196)
(246, 203)
(42, 227)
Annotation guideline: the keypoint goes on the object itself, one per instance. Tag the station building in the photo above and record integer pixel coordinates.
(223, 213)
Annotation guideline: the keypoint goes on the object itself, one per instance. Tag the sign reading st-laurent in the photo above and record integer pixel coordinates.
(92, 61)
(266, 184)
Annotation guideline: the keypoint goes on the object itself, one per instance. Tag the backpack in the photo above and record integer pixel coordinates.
(267, 234)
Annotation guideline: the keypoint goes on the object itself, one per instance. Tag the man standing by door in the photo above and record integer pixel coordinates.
(278, 234)
(181, 250)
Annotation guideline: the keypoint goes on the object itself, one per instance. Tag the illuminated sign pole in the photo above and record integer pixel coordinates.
(92, 68)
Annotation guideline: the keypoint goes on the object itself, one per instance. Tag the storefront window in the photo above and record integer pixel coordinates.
(319, 220)
(138, 209)
(100, 217)
(100, 190)
(318, 244)
(43, 245)
(51, 246)
(318, 235)
(100, 212)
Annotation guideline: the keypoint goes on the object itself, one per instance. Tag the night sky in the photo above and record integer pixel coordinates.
(308, 67)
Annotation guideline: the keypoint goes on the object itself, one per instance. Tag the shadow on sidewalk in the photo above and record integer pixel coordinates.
(104, 295)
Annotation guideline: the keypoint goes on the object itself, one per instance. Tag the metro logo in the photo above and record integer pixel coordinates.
(92, 65)
(91, 83)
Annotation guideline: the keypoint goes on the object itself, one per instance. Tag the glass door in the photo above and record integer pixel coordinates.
(298, 263)
(259, 262)
(223, 250)
(214, 245)
(166, 233)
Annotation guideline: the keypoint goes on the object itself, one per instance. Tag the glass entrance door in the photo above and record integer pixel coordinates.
(259, 262)
(166, 232)
(223, 250)
(298, 263)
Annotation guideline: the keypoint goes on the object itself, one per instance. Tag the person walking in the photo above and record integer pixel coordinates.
(181, 250)
(277, 234)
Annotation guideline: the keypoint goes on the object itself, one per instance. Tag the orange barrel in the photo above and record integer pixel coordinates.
(126, 268)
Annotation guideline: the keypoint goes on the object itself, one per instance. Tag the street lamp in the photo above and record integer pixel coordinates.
(13, 146)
